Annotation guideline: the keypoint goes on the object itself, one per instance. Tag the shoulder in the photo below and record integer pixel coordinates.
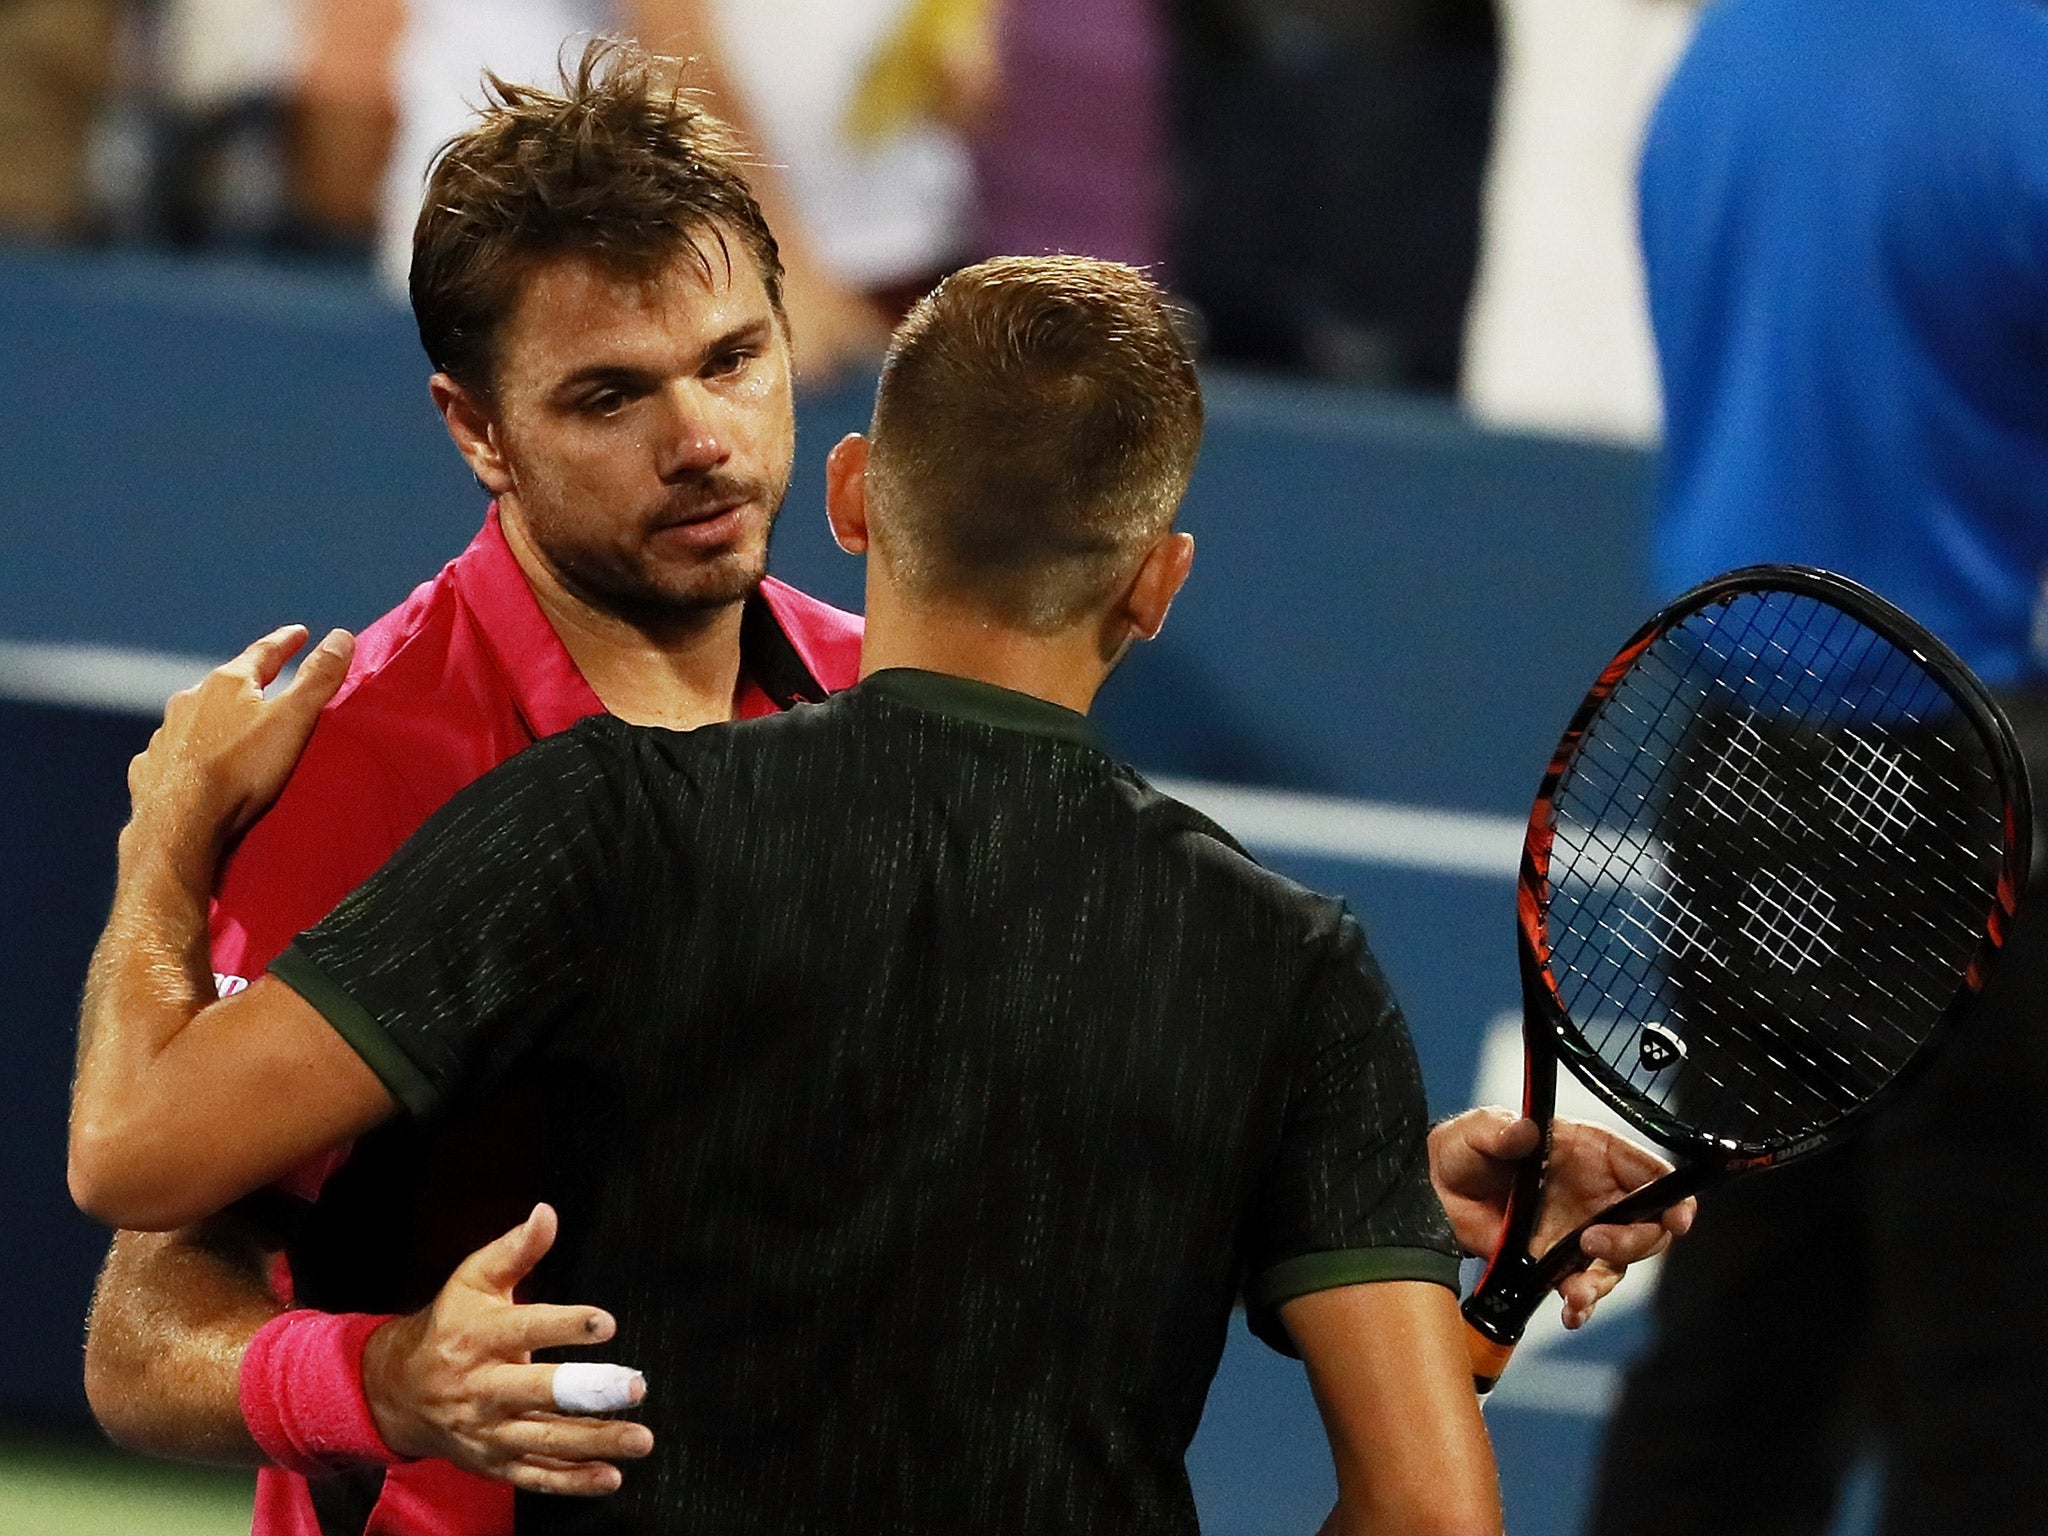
(1296, 913)
(412, 724)
(424, 707)
(402, 706)
(754, 752)
(407, 662)
(826, 638)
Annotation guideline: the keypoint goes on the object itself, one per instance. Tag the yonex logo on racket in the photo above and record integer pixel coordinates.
(1658, 1049)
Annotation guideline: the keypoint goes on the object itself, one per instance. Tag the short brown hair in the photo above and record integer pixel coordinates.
(622, 166)
(1035, 428)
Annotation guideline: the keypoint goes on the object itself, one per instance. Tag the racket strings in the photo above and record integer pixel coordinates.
(1773, 849)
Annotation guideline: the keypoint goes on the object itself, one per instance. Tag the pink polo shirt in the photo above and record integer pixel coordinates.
(462, 675)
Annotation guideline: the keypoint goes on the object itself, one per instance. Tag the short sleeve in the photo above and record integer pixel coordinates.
(482, 933)
(1347, 1199)
(343, 813)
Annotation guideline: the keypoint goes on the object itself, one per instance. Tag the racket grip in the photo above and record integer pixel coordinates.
(1496, 1313)
(1489, 1359)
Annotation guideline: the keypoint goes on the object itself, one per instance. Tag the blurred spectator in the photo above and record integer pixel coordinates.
(867, 199)
(851, 99)
(225, 72)
(1332, 151)
(55, 71)
(1559, 333)
(260, 124)
(344, 119)
(1845, 222)
(1071, 151)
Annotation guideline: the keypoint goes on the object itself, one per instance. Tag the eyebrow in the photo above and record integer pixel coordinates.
(745, 334)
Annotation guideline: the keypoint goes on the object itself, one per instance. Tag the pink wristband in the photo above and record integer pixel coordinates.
(302, 1392)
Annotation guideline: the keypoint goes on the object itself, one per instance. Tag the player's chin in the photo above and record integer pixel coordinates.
(717, 580)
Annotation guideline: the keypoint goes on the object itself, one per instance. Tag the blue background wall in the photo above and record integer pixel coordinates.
(1386, 604)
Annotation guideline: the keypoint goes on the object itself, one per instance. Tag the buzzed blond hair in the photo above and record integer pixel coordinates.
(1035, 428)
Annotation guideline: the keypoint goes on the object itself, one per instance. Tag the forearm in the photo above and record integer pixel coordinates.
(149, 978)
(1462, 1500)
(162, 1129)
(162, 1133)
(171, 1320)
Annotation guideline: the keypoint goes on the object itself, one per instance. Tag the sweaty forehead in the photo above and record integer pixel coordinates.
(574, 312)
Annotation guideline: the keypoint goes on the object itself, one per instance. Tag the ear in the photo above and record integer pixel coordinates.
(846, 493)
(1161, 574)
(475, 431)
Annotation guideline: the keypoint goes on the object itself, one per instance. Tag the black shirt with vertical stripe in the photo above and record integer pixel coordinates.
(921, 1087)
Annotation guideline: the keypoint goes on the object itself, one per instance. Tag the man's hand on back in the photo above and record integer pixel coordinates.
(1472, 1160)
(457, 1381)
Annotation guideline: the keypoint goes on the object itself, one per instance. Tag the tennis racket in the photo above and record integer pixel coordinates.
(1769, 867)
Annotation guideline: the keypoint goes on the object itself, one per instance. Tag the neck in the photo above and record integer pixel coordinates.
(1066, 668)
(682, 676)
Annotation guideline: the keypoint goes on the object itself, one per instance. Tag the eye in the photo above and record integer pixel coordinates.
(606, 402)
(728, 363)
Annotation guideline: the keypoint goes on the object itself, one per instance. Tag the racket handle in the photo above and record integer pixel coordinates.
(1489, 1359)
(1497, 1312)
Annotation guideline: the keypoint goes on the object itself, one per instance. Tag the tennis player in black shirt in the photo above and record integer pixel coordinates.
(922, 1087)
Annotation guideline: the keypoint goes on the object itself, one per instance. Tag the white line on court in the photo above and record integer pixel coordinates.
(1584, 1388)
(1269, 821)
(1361, 831)
(95, 676)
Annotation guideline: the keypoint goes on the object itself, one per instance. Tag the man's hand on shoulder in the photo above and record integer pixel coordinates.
(457, 1381)
(1472, 1160)
(224, 751)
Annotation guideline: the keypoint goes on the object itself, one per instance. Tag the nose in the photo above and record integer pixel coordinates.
(691, 439)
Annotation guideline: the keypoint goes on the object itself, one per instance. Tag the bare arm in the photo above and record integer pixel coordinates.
(161, 1133)
(1388, 1366)
(171, 1318)
(172, 1139)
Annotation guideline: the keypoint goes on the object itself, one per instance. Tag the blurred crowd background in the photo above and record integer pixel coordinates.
(1432, 195)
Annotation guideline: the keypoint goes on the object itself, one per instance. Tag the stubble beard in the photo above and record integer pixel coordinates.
(662, 597)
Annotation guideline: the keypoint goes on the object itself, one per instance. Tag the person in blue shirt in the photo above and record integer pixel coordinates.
(1845, 230)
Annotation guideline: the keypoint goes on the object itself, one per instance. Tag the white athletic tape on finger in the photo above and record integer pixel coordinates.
(586, 1386)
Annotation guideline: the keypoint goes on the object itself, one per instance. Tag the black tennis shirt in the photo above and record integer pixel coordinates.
(921, 1087)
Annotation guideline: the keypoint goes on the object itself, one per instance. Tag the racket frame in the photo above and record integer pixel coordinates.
(1515, 1282)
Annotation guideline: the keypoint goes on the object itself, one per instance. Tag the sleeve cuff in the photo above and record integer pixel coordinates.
(1266, 1292)
(354, 1023)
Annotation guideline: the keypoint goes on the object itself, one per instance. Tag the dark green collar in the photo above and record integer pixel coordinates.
(965, 699)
